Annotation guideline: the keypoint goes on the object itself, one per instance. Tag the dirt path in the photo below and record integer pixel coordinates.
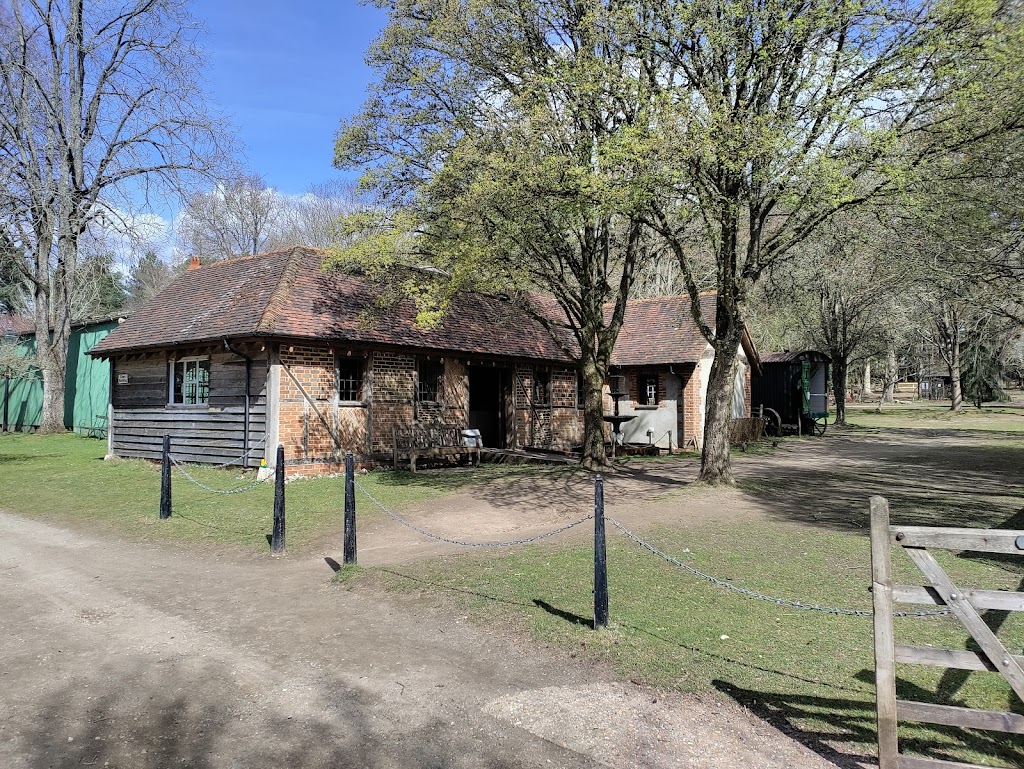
(125, 655)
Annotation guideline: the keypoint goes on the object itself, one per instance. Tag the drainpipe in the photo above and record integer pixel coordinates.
(245, 418)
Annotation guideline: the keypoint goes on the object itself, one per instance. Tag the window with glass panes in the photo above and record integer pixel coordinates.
(350, 379)
(648, 390)
(190, 382)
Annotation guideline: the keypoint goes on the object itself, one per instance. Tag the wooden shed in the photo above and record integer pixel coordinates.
(792, 390)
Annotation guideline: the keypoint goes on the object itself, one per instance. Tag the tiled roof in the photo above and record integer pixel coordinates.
(662, 330)
(287, 294)
(16, 324)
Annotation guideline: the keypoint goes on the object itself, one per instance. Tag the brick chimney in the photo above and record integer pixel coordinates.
(194, 264)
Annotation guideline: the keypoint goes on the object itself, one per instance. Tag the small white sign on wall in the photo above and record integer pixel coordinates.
(122, 379)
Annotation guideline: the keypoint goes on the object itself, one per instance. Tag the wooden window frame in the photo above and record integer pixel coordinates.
(643, 380)
(438, 384)
(172, 368)
(358, 364)
(542, 393)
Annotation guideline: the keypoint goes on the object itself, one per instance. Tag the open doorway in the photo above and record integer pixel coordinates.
(487, 405)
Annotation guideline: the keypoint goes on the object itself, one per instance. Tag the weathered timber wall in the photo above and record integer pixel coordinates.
(213, 433)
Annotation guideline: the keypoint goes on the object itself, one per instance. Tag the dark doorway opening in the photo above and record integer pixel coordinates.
(487, 405)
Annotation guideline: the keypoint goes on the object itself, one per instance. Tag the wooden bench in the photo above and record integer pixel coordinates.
(435, 441)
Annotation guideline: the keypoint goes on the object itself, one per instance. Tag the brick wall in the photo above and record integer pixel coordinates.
(315, 431)
(689, 406)
(558, 426)
(633, 378)
(309, 431)
(393, 384)
(394, 378)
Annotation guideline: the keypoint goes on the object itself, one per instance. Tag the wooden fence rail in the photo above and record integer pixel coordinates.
(964, 605)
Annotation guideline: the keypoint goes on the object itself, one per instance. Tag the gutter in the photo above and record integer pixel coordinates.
(245, 420)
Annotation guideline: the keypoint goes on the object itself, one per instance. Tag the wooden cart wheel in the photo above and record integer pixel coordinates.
(772, 423)
(820, 423)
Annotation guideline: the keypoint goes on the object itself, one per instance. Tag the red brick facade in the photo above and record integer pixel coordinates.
(556, 425)
(316, 430)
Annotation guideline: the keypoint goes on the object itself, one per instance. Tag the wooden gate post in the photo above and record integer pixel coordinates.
(885, 645)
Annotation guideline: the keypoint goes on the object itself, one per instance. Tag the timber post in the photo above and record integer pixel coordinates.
(885, 645)
(277, 538)
(600, 558)
(350, 510)
(165, 479)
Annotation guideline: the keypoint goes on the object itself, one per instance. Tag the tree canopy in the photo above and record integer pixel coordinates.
(556, 146)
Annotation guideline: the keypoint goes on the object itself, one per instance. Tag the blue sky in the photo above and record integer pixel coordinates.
(285, 72)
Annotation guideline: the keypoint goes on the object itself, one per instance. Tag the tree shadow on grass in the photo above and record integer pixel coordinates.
(929, 484)
(528, 487)
(822, 723)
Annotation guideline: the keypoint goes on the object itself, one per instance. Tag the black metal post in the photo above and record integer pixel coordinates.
(277, 538)
(350, 509)
(600, 558)
(165, 480)
(7, 398)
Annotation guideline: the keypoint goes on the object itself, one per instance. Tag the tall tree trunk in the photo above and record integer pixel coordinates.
(715, 464)
(892, 374)
(839, 376)
(594, 456)
(52, 354)
(865, 388)
(956, 389)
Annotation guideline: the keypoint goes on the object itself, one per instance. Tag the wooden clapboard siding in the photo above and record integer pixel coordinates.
(141, 415)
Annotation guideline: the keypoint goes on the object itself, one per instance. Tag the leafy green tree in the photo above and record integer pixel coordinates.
(546, 144)
(777, 116)
(504, 142)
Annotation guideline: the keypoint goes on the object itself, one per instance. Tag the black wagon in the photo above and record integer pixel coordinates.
(792, 392)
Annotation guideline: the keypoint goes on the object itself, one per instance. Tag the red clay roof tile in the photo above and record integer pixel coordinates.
(287, 294)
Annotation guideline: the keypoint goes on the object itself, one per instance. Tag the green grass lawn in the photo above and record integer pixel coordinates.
(936, 415)
(65, 478)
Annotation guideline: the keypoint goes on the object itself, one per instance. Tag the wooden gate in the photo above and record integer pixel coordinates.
(964, 605)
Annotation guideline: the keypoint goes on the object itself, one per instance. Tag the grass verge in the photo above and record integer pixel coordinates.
(809, 673)
(65, 478)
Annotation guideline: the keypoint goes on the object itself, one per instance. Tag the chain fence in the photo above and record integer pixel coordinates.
(464, 543)
(259, 445)
(761, 596)
(247, 487)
